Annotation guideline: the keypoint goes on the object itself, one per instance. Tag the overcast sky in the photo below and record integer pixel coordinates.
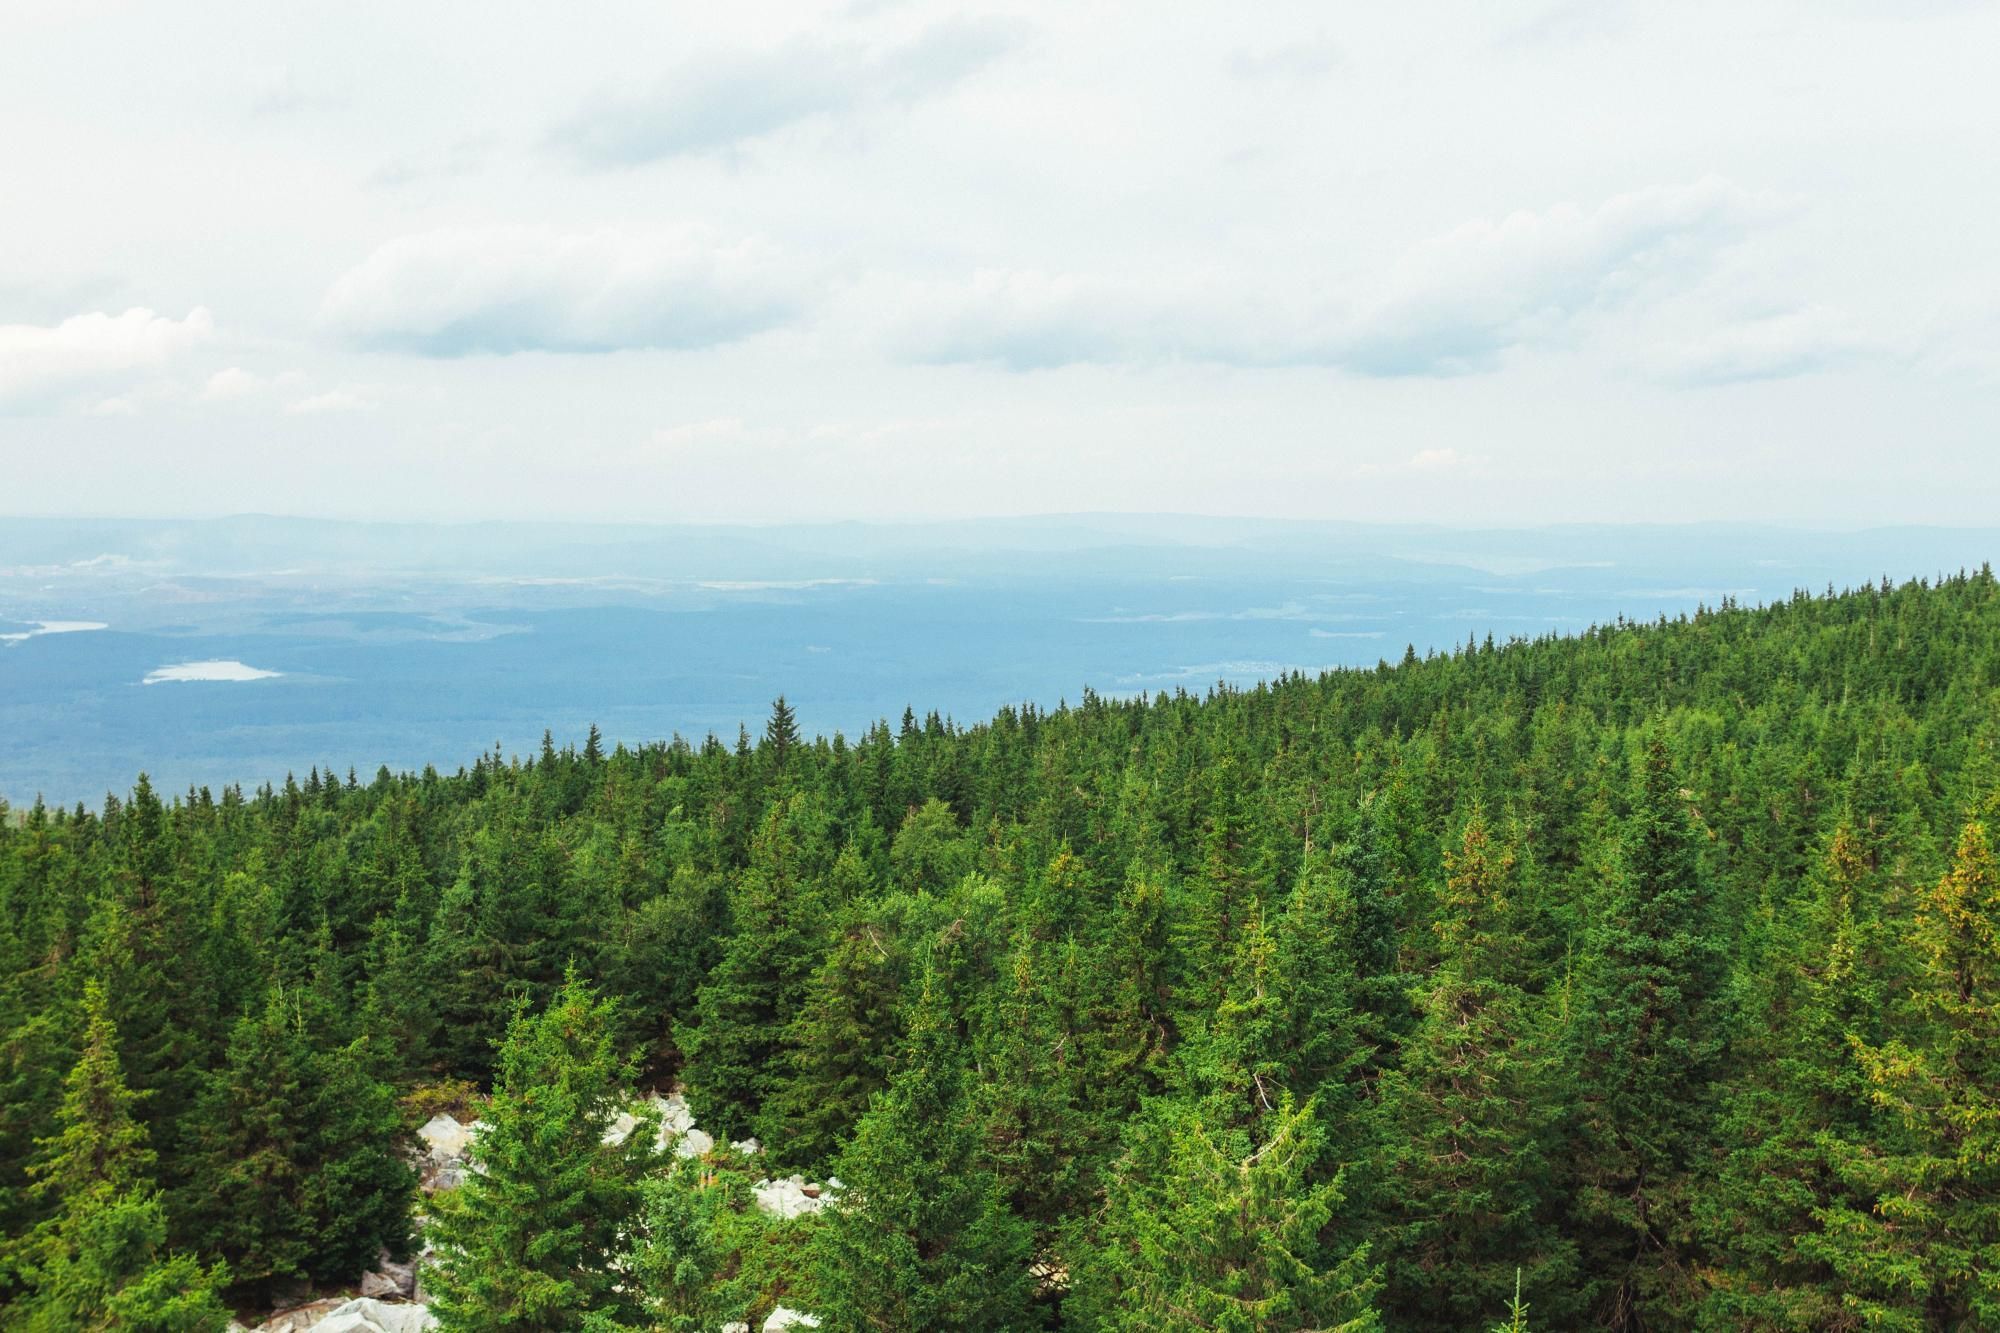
(1483, 262)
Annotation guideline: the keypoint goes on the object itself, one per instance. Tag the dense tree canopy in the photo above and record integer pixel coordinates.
(1657, 965)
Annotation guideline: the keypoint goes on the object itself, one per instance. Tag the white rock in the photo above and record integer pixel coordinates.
(372, 1316)
(445, 1140)
(694, 1143)
(620, 1128)
(748, 1147)
(676, 1116)
(784, 1317)
(736, 1326)
(792, 1196)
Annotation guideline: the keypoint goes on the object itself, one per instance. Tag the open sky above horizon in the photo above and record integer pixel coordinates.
(1494, 263)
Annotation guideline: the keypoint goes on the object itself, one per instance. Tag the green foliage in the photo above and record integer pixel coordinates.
(921, 1237)
(526, 1244)
(1645, 1042)
(1205, 1231)
(1927, 1254)
(101, 1261)
(300, 1168)
(1465, 1124)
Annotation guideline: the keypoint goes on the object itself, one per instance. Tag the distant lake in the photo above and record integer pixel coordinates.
(241, 677)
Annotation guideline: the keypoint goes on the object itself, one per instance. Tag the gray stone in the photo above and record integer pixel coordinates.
(367, 1315)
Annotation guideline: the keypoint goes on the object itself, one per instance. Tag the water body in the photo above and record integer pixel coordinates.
(239, 651)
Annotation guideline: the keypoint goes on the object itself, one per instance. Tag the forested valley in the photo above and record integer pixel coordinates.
(1647, 978)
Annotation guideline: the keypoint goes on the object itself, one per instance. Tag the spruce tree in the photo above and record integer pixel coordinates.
(1801, 1104)
(920, 1237)
(1928, 1252)
(836, 1052)
(1460, 1154)
(1645, 1038)
(1210, 1231)
(300, 1171)
(101, 1262)
(527, 1244)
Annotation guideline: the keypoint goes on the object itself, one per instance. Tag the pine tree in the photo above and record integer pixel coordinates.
(836, 1051)
(678, 1259)
(781, 733)
(1928, 1252)
(300, 1173)
(1643, 1049)
(1204, 1231)
(1800, 1097)
(1460, 1156)
(1042, 1142)
(920, 1238)
(527, 1244)
(100, 1262)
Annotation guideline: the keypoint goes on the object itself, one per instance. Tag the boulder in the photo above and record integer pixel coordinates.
(445, 1140)
(390, 1279)
(793, 1196)
(736, 1326)
(784, 1318)
(677, 1130)
(367, 1315)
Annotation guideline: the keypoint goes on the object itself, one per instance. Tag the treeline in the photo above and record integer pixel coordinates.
(1655, 969)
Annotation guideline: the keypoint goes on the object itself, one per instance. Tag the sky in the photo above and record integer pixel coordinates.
(1480, 263)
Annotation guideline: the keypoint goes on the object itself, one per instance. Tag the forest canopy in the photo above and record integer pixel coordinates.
(1649, 977)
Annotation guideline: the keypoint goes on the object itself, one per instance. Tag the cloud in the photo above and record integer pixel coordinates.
(513, 289)
(1436, 462)
(229, 385)
(333, 400)
(1310, 58)
(1453, 304)
(719, 101)
(41, 363)
(1793, 342)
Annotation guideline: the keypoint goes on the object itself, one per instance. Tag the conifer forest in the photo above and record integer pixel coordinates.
(1646, 978)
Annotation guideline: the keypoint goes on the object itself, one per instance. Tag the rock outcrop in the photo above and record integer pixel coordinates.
(362, 1315)
(367, 1315)
(794, 1196)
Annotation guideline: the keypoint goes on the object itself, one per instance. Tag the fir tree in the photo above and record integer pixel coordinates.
(836, 1051)
(301, 1174)
(1463, 1123)
(920, 1237)
(1205, 1231)
(1644, 1048)
(527, 1244)
(1928, 1252)
(101, 1263)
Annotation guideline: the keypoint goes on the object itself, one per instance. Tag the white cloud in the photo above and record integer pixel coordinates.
(40, 363)
(1450, 305)
(1793, 342)
(230, 384)
(1455, 302)
(462, 292)
(333, 400)
(726, 98)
